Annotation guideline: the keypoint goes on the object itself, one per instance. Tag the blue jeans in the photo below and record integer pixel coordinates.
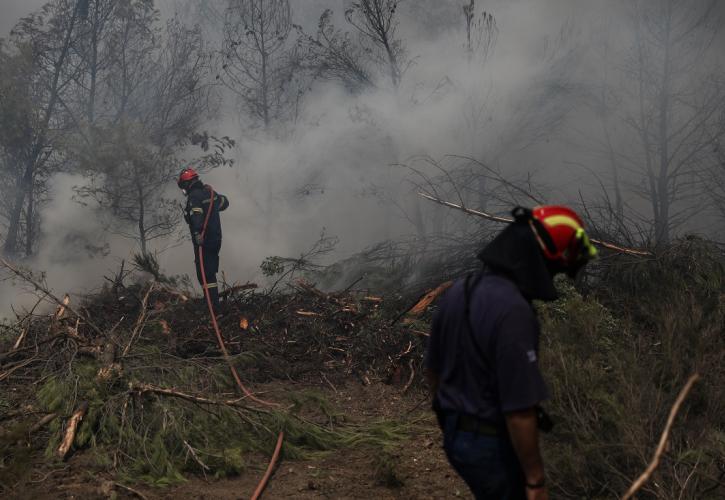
(488, 464)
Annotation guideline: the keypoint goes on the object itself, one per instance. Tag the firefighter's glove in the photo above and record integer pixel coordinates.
(198, 239)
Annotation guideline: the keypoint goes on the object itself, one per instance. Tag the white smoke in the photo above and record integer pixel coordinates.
(336, 170)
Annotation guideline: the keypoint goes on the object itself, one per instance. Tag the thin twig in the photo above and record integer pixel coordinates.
(644, 477)
(9, 354)
(131, 490)
(352, 285)
(196, 457)
(328, 382)
(20, 365)
(410, 379)
(141, 388)
(44, 477)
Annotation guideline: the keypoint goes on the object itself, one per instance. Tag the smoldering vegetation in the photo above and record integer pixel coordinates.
(323, 122)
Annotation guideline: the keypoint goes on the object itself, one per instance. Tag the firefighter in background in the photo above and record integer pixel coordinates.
(202, 215)
(482, 357)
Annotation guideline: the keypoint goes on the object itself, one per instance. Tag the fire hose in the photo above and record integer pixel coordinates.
(222, 346)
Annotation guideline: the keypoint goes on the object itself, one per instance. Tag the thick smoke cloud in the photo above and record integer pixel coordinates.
(338, 170)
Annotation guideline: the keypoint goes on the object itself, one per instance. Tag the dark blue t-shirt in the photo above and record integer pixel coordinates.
(500, 372)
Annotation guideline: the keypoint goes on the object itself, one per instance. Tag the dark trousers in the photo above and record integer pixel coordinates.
(488, 464)
(211, 267)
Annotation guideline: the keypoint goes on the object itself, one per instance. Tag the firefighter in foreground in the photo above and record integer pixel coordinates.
(202, 215)
(482, 358)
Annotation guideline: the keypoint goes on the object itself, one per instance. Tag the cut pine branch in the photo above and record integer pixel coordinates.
(495, 218)
(60, 311)
(421, 306)
(422, 303)
(71, 430)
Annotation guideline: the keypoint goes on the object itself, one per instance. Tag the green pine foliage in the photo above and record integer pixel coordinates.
(616, 360)
(160, 439)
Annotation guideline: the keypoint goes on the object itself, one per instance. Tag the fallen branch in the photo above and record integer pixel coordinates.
(310, 288)
(48, 293)
(478, 213)
(428, 298)
(131, 490)
(107, 488)
(71, 430)
(423, 301)
(663, 439)
(9, 354)
(270, 467)
(42, 422)
(141, 388)
(61, 308)
(18, 366)
(307, 313)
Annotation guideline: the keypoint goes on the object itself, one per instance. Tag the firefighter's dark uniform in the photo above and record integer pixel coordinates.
(483, 348)
(198, 203)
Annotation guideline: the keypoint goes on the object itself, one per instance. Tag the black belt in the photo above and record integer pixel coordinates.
(467, 423)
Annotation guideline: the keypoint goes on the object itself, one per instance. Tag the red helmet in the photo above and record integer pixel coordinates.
(563, 239)
(187, 177)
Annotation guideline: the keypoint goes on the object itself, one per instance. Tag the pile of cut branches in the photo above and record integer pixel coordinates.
(134, 377)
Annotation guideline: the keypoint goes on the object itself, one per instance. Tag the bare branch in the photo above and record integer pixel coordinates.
(495, 218)
(639, 482)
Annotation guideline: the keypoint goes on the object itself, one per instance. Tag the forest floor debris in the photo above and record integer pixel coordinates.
(144, 397)
(166, 419)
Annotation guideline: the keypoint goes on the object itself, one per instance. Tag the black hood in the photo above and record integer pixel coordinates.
(195, 184)
(515, 253)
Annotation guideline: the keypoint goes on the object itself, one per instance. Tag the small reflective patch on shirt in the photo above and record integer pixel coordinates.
(532, 356)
